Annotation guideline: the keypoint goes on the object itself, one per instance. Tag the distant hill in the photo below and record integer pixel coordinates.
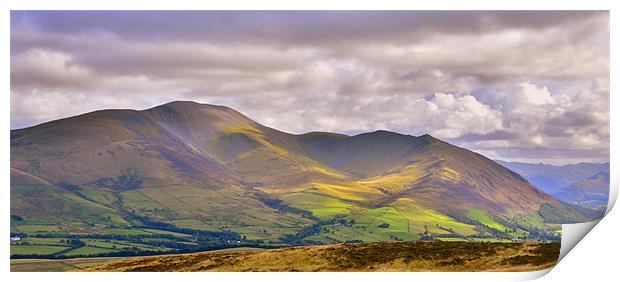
(551, 178)
(592, 192)
(210, 168)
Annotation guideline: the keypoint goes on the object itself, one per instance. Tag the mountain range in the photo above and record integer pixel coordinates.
(210, 168)
(583, 184)
(592, 192)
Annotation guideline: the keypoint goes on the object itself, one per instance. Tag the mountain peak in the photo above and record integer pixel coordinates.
(427, 137)
(191, 104)
(197, 114)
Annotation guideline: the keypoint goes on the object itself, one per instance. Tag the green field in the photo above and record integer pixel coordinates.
(116, 231)
(42, 241)
(193, 224)
(420, 217)
(30, 229)
(483, 218)
(36, 249)
(88, 250)
(155, 231)
(321, 206)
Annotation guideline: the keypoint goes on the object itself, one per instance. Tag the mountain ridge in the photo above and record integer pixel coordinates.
(210, 167)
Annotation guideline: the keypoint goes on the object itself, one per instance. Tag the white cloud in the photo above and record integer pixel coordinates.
(455, 116)
(535, 94)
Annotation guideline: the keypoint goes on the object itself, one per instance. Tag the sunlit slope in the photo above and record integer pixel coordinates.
(258, 155)
(266, 160)
(465, 179)
(429, 170)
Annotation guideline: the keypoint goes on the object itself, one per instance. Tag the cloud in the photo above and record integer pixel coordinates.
(537, 95)
(511, 84)
(456, 116)
(294, 27)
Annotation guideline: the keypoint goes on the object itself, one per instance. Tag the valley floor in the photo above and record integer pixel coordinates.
(390, 256)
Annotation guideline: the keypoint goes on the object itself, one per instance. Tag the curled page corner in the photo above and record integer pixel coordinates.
(573, 233)
(613, 191)
(532, 275)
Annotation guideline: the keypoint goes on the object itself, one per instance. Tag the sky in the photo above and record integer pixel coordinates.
(529, 86)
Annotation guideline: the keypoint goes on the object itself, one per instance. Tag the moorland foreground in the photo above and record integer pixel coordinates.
(387, 256)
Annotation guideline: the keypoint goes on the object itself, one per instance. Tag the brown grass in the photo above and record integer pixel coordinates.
(392, 256)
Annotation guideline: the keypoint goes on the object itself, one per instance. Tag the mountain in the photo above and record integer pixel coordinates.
(592, 192)
(551, 178)
(209, 168)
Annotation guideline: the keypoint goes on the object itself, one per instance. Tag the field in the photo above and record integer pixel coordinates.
(73, 264)
(392, 256)
(107, 241)
(47, 265)
(484, 218)
(36, 249)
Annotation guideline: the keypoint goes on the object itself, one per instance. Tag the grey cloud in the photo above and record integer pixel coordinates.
(520, 84)
(485, 52)
(291, 26)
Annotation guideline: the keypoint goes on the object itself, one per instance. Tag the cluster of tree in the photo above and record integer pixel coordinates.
(315, 229)
(542, 235)
(200, 235)
(484, 231)
(129, 179)
(572, 214)
(120, 237)
(138, 252)
(279, 205)
(75, 189)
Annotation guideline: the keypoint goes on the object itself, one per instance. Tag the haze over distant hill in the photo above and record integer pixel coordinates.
(552, 178)
(205, 167)
(592, 192)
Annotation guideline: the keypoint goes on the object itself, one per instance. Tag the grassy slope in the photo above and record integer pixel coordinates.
(46, 265)
(483, 218)
(394, 256)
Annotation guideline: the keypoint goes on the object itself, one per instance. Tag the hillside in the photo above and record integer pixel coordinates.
(190, 168)
(394, 256)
